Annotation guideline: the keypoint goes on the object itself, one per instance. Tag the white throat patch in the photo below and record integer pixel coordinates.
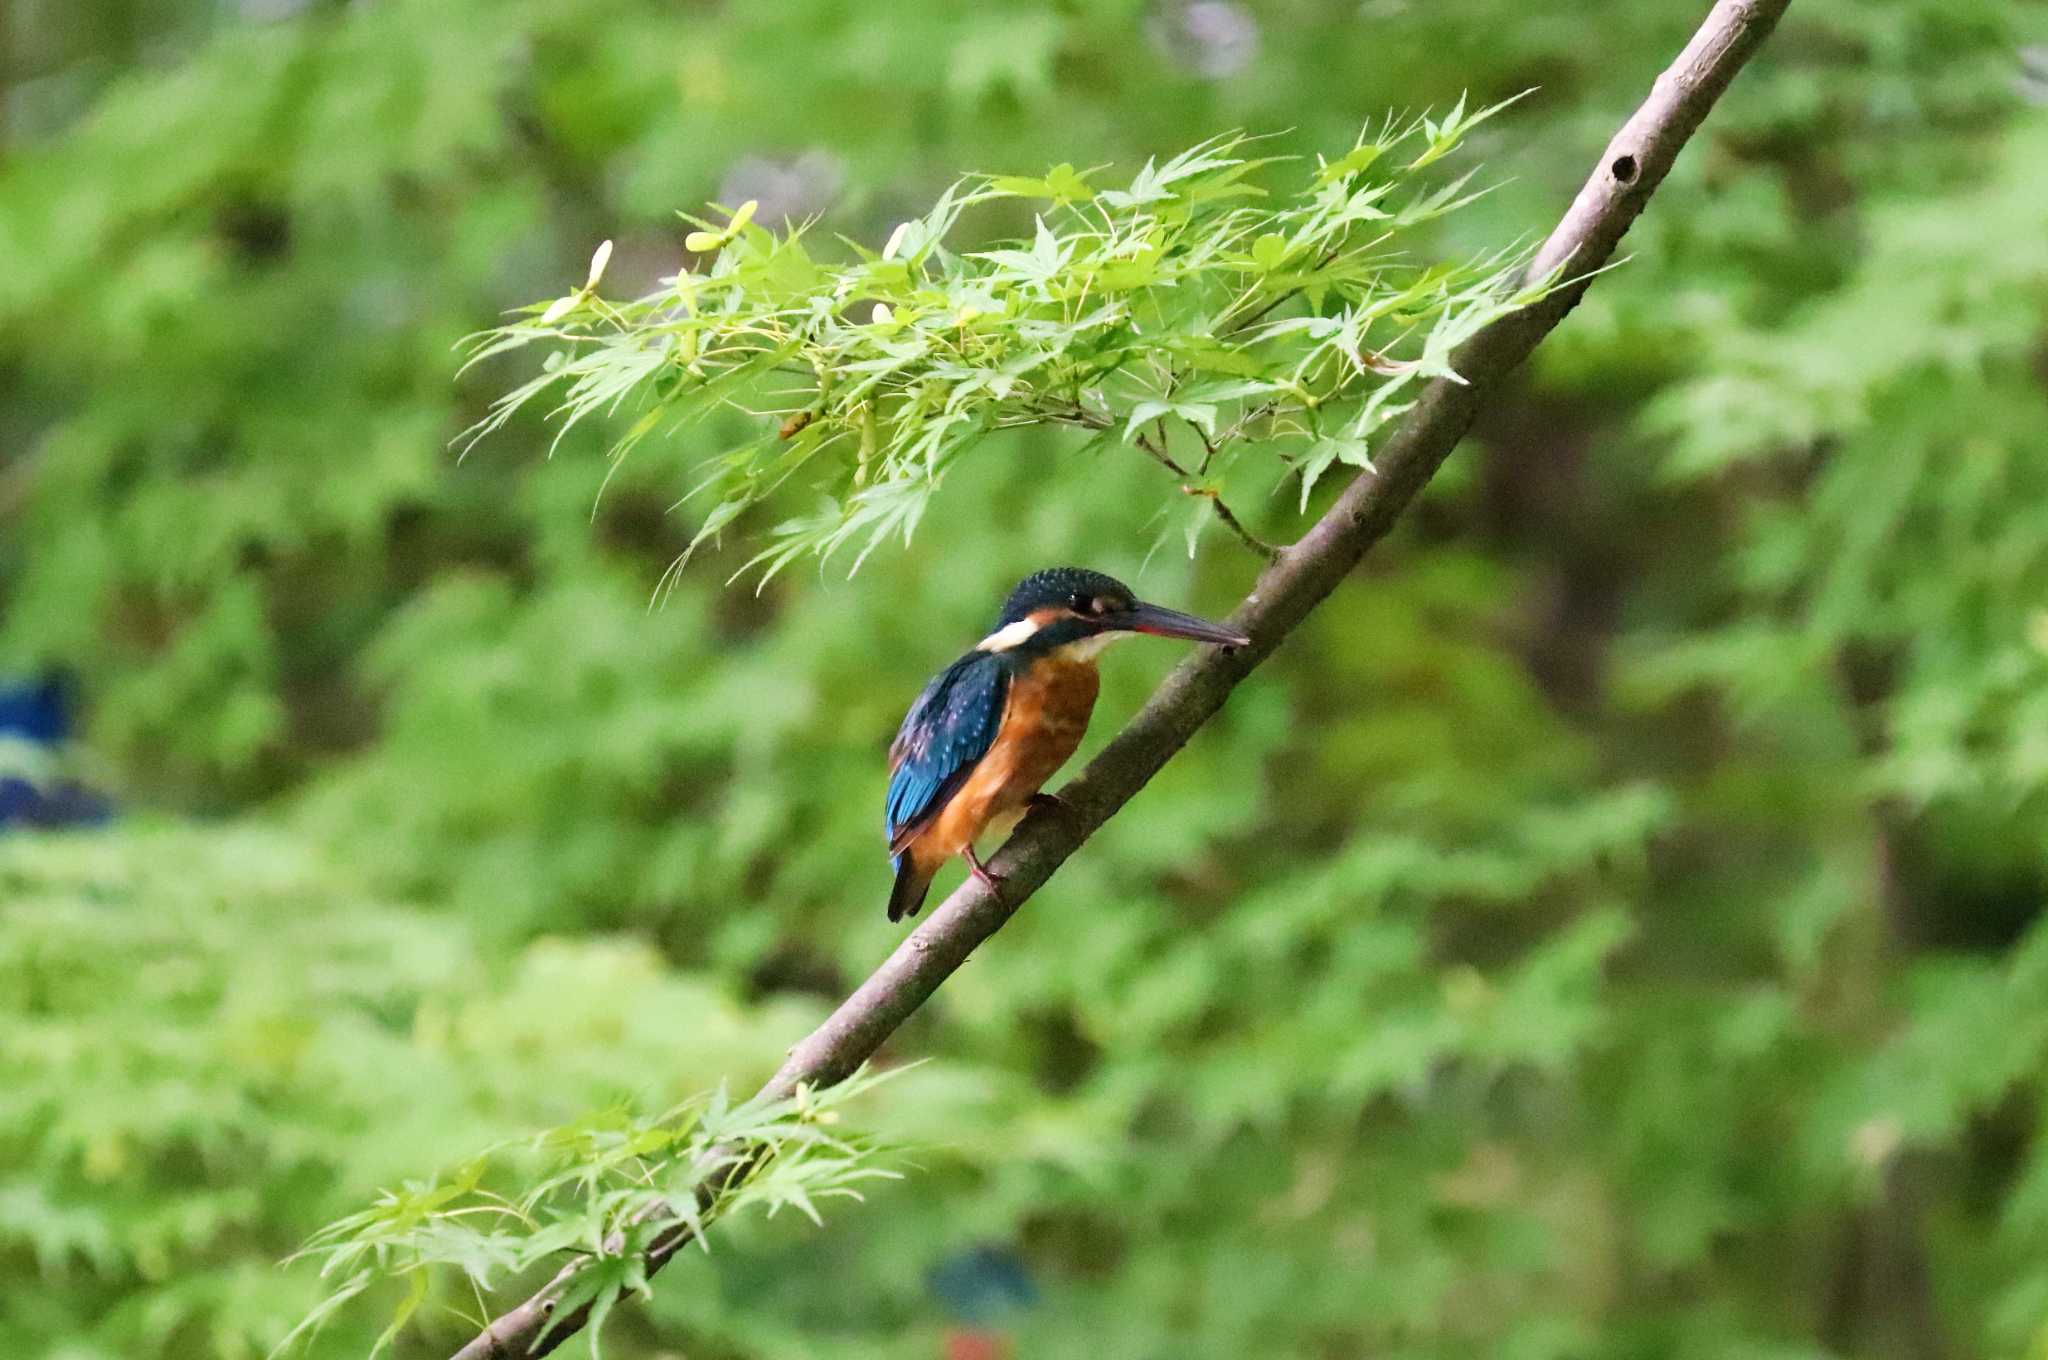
(1008, 636)
(1023, 630)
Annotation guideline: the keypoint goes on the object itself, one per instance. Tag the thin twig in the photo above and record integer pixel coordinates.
(1224, 514)
(1240, 327)
(1161, 456)
(1298, 579)
(1236, 526)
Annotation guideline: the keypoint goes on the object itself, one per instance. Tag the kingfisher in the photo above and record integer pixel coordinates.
(991, 728)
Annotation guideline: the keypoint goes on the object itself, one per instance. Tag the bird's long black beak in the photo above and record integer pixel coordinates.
(1163, 622)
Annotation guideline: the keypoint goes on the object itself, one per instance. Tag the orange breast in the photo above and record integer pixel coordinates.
(1043, 723)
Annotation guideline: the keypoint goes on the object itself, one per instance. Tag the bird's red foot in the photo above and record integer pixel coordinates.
(980, 871)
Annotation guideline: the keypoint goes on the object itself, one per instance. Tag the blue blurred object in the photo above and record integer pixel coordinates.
(981, 1284)
(66, 803)
(35, 712)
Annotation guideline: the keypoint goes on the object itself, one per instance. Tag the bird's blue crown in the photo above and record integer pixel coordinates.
(1070, 586)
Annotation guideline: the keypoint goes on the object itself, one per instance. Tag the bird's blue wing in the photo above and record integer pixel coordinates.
(948, 730)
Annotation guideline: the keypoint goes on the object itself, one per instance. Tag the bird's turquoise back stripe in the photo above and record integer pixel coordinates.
(949, 729)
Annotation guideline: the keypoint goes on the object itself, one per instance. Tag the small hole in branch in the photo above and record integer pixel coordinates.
(1624, 168)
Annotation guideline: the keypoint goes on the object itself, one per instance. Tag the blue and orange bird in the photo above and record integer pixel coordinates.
(991, 728)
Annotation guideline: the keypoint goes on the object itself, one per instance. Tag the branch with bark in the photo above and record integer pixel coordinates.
(1298, 578)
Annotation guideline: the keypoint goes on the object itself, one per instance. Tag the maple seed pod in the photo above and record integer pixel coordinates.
(795, 424)
(704, 242)
(598, 261)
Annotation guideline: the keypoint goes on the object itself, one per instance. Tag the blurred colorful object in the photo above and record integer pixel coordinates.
(981, 1288)
(34, 791)
(34, 712)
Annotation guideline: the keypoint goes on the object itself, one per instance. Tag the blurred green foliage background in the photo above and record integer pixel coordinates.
(1613, 927)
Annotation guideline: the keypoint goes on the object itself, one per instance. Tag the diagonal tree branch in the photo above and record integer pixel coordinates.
(1296, 581)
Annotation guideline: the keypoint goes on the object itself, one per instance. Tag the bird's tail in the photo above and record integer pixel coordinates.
(912, 883)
